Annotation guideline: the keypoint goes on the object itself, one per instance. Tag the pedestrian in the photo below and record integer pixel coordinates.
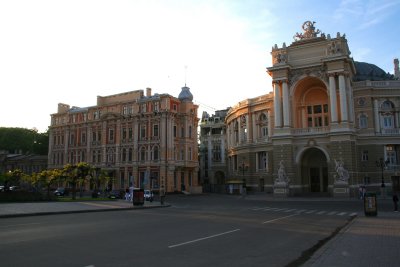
(395, 201)
(360, 192)
(127, 195)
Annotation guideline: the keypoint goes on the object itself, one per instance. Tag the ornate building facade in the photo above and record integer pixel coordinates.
(330, 125)
(212, 154)
(142, 140)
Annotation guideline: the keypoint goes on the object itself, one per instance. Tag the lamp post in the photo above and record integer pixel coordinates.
(243, 168)
(382, 165)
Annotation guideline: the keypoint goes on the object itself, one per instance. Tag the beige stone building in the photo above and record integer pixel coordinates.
(141, 139)
(212, 154)
(330, 125)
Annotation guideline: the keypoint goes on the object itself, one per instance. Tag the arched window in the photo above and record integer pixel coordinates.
(387, 114)
(262, 126)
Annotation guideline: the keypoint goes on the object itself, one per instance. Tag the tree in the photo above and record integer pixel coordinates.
(13, 178)
(24, 141)
(77, 174)
(48, 177)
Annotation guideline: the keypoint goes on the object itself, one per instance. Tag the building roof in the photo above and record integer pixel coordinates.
(185, 94)
(366, 71)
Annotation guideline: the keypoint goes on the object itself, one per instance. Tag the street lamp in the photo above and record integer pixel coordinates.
(243, 168)
(382, 164)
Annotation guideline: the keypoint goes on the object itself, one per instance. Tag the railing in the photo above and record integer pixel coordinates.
(314, 130)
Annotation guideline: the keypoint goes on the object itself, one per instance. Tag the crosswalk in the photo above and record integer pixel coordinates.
(305, 211)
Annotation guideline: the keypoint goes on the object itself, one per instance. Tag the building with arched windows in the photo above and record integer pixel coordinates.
(330, 125)
(149, 141)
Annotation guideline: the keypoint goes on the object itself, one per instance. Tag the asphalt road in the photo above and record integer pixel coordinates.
(216, 230)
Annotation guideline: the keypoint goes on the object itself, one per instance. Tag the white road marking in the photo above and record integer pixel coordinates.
(281, 218)
(342, 213)
(353, 214)
(321, 212)
(332, 213)
(311, 211)
(203, 238)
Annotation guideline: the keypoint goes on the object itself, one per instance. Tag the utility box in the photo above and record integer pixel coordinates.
(138, 197)
(370, 204)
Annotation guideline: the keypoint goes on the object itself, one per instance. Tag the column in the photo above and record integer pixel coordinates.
(223, 146)
(285, 99)
(332, 98)
(376, 114)
(277, 105)
(249, 128)
(269, 124)
(304, 122)
(254, 129)
(350, 98)
(209, 149)
(343, 98)
(239, 119)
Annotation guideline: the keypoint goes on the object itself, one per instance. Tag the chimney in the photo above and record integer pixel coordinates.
(148, 91)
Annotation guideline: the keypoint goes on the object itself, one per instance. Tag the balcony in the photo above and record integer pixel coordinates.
(310, 131)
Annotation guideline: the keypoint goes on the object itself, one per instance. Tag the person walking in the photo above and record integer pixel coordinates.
(395, 201)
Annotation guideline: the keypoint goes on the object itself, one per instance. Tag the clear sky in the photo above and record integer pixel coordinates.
(72, 51)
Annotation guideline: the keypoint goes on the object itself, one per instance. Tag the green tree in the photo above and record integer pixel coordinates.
(77, 175)
(13, 177)
(25, 141)
(48, 177)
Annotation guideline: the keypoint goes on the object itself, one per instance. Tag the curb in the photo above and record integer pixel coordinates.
(79, 211)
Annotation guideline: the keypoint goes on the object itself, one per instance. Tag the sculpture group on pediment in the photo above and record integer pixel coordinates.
(309, 31)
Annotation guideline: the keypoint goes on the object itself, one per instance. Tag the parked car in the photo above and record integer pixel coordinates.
(1, 188)
(61, 191)
(114, 194)
(148, 195)
(14, 188)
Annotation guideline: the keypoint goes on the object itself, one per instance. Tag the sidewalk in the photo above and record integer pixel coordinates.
(366, 241)
(8, 210)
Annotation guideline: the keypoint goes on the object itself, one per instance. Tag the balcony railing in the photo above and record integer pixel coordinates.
(307, 131)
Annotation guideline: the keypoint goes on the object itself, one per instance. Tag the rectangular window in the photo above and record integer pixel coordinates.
(262, 160)
(111, 135)
(364, 155)
(143, 131)
(155, 130)
(130, 133)
(123, 133)
(317, 109)
(156, 106)
(174, 130)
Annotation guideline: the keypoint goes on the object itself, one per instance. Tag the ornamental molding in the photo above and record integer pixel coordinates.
(298, 74)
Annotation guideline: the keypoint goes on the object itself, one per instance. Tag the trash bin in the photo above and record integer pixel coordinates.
(138, 197)
(370, 205)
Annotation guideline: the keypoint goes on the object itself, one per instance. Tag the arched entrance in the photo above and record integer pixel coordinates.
(314, 171)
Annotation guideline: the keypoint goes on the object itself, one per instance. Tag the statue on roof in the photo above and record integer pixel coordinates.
(309, 31)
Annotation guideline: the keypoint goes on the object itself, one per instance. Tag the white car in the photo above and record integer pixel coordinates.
(148, 195)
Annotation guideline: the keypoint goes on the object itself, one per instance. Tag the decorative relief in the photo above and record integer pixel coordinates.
(280, 57)
(361, 101)
(318, 72)
(334, 47)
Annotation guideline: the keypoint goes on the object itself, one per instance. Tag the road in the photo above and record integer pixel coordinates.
(214, 230)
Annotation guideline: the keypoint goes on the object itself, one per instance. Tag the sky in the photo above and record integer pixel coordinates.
(73, 51)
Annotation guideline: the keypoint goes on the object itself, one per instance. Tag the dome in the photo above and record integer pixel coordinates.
(185, 94)
(367, 71)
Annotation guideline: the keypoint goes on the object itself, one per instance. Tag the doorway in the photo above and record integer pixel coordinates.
(314, 172)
